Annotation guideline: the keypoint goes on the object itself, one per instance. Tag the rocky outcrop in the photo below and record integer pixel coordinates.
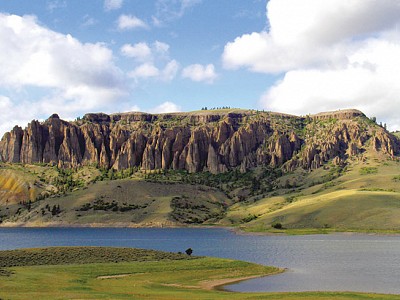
(196, 142)
(11, 144)
(344, 114)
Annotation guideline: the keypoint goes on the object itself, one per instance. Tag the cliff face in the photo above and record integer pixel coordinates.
(204, 141)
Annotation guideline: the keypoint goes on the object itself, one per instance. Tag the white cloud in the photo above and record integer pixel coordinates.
(369, 83)
(154, 61)
(127, 22)
(149, 70)
(5, 103)
(306, 33)
(143, 52)
(332, 54)
(200, 73)
(33, 55)
(165, 107)
(76, 77)
(170, 10)
(170, 70)
(161, 48)
(12, 114)
(139, 51)
(112, 4)
(145, 70)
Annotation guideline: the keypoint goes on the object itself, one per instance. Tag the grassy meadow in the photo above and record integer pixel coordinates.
(139, 274)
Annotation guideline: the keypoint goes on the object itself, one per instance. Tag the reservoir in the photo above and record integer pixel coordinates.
(334, 262)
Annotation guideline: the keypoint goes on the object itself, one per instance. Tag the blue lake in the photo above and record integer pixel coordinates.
(335, 262)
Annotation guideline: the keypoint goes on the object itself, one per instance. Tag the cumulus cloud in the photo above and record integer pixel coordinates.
(74, 76)
(112, 4)
(149, 70)
(128, 22)
(145, 70)
(139, 51)
(145, 52)
(165, 107)
(6, 112)
(332, 54)
(368, 82)
(170, 70)
(200, 73)
(302, 34)
(153, 61)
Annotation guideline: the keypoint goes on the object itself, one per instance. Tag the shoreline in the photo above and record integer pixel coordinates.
(219, 284)
(235, 230)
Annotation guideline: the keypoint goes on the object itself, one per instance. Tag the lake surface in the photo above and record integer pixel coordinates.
(335, 262)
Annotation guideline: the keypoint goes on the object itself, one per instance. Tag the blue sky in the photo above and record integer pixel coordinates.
(295, 56)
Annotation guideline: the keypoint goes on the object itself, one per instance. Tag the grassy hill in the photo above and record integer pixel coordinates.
(343, 176)
(97, 201)
(365, 197)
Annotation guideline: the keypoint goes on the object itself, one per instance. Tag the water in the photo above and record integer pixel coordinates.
(337, 262)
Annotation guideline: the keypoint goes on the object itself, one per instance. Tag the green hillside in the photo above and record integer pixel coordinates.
(365, 197)
(133, 201)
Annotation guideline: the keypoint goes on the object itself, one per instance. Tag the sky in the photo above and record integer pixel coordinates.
(299, 57)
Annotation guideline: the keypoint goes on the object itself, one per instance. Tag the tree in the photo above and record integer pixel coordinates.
(189, 251)
(55, 210)
(277, 225)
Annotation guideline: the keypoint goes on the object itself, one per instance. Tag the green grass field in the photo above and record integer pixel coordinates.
(152, 275)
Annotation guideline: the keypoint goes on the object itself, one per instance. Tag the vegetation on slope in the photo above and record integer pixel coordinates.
(81, 255)
(122, 202)
(329, 184)
(363, 195)
(357, 200)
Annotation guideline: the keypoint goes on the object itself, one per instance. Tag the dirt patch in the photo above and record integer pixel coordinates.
(182, 286)
(218, 284)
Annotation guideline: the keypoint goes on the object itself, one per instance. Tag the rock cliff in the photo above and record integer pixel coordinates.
(214, 141)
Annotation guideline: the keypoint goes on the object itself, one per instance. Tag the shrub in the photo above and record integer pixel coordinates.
(249, 218)
(277, 225)
(368, 170)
